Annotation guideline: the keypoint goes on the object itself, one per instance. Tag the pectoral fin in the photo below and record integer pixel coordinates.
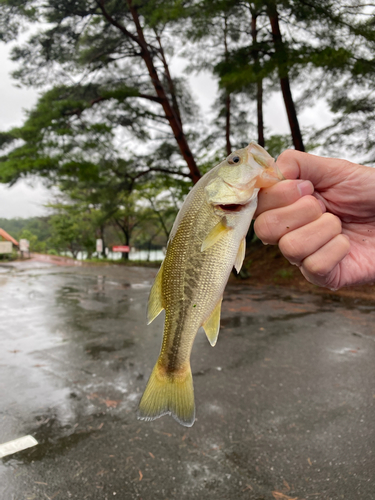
(212, 324)
(240, 256)
(218, 232)
(155, 300)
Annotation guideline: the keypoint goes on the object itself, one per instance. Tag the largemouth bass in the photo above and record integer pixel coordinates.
(206, 241)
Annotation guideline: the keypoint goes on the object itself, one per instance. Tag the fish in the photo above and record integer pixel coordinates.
(206, 241)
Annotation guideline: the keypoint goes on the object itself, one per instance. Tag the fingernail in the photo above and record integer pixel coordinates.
(305, 187)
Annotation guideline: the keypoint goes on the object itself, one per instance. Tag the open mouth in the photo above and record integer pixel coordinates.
(231, 208)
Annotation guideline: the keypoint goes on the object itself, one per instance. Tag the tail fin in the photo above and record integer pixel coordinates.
(169, 394)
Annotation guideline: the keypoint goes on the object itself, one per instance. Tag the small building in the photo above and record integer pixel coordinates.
(7, 242)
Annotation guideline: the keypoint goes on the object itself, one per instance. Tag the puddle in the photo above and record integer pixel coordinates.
(141, 286)
(237, 321)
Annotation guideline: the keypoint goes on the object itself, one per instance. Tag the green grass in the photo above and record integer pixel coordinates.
(285, 274)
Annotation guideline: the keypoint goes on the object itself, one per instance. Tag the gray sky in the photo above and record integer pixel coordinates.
(22, 200)
(26, 199)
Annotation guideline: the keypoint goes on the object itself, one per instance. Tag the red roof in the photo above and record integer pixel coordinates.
(8, 237)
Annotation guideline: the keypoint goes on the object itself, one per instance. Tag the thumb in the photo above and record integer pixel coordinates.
(322, 172)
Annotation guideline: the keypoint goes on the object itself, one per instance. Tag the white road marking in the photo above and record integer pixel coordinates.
(16, 445)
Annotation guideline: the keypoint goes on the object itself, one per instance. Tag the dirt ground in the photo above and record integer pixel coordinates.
(265, 265)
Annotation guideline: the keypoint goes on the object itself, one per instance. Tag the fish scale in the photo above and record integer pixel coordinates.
(207, 239)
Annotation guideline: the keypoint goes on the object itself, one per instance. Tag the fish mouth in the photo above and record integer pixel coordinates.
(232, 207)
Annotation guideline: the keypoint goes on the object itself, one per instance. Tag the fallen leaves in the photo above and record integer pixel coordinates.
(286, 485)
(280, 496)
(53, 496)
(111, 403)
(248, 487)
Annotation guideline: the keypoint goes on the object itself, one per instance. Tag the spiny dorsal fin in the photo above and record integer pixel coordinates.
(212, 324)
(240, 256)
(155, 300)
(218, 232)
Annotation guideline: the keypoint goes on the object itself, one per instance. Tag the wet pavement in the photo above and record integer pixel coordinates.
(285, 401)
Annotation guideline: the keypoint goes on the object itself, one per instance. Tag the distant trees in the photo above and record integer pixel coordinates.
(115, 127)
(35, 229)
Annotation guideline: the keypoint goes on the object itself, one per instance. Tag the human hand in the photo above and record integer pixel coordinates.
(322, 218)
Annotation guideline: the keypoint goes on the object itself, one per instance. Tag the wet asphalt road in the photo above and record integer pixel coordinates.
(285, 401)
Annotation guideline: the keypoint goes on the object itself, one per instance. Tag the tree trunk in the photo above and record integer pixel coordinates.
(261, 141)
(282, 57)
(227, 94)
(102, 238)
(260, 121)
(227, 123)
(169, 112)
(169, 79)
(127, 233)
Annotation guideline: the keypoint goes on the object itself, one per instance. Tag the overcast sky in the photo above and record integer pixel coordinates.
(27, 199)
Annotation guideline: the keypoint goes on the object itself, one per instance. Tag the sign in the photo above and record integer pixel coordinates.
(24, 245)
(99, 245)
(121, 248)
(6, 247)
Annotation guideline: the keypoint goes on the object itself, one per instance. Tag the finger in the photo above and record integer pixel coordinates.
(321, 266)
(322, 172)
(271, 225)
(282, 194)
(304, 241)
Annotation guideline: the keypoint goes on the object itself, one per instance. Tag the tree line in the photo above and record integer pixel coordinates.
(73, 233)
(119, 132)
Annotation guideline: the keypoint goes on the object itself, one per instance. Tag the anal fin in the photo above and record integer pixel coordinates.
(155, 300)
(218, 232)
(212, 324)
(240, 255)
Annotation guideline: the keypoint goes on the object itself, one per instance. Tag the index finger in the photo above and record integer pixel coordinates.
(282, 194)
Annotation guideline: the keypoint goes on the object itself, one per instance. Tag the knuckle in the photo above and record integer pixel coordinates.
(287, 155)
(288, 192)
(291, 247)
(310, 205)
(344, 243)
(264, 227)
(316, 266)
(333, 221)
(325, 260)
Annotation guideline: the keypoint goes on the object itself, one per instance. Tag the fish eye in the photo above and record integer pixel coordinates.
(234, 159)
